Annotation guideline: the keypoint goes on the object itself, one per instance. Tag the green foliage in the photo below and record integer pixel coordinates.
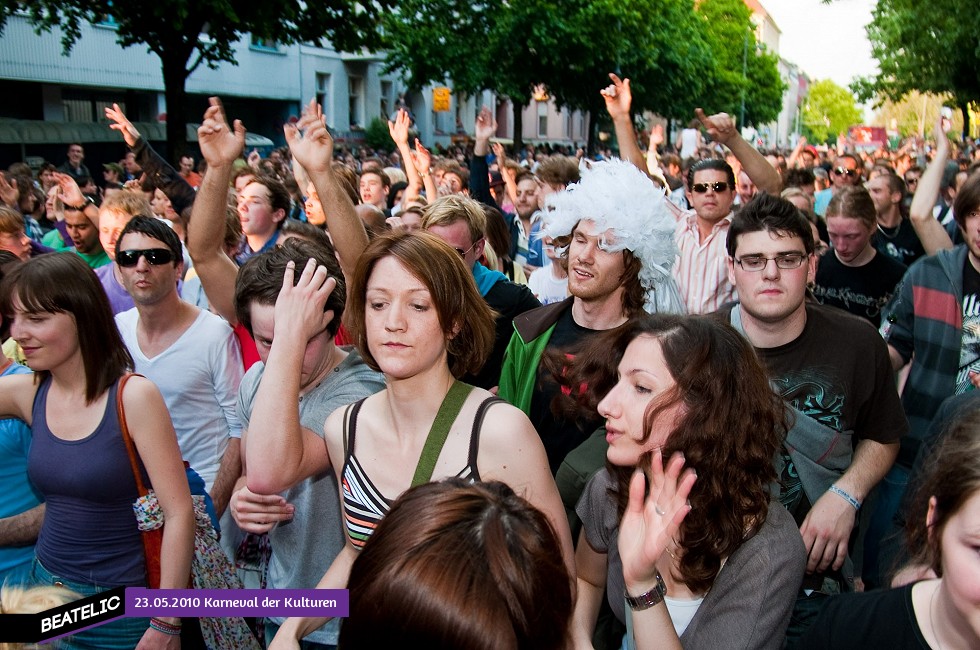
(376, 135)
(828, 112)
(932, 47)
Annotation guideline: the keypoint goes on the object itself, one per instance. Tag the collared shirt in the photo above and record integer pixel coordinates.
(701, 271)
(245, 253)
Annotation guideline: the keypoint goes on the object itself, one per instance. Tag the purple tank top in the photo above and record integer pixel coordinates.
(89, 532)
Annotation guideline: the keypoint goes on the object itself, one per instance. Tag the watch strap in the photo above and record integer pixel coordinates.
(649, 599)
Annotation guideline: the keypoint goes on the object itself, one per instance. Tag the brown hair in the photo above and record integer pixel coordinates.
(458, 565)
(854, 203)
(11, 221)
(967, 199)
(951, 477)
(453, 290)
(730, 430)
(559, 170)
(66, 284)
(347, 178)
(278, 194)
(447, 210)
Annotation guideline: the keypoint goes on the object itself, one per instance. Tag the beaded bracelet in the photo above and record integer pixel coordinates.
(167, 628)
(844, 495)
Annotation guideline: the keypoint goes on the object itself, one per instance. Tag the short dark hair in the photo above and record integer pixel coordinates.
(155, 228)
(278, 194)
(799, 177)
(771, 214)
(559, 170)
(712, 164)
(260, 279)
(385, 181)
(66, 284)
(967, 199)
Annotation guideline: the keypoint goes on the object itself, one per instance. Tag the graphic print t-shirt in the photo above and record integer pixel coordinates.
(970, 346)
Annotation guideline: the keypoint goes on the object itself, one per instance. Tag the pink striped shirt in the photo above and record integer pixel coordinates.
(701, 271)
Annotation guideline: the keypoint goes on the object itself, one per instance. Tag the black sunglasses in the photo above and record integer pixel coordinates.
(701, 188)
(155, 256)
(844, 171)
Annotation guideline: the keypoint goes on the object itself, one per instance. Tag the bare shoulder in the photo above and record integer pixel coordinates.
(140, 393)
(17, 395)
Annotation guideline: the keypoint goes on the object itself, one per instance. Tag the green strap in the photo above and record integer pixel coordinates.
(450, 408)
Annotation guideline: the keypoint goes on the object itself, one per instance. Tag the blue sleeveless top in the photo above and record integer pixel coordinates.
(89, 532)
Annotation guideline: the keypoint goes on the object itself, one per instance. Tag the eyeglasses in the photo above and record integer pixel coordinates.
(701, 188)
(784, 261)
(463, 253)
(844, 171)
(155, 256)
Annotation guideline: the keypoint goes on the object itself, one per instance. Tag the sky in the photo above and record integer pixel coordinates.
(827, 41)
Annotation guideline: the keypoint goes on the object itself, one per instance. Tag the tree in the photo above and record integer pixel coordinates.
(187, 33)
(931, 47)
(745, 77)
(828, 112)
(915, 114)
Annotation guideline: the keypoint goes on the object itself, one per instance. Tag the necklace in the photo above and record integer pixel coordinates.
(884, 233)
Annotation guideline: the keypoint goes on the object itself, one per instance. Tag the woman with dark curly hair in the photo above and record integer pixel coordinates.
(707, 541)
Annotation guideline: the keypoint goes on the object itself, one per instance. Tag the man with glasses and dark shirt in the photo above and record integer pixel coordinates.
(833, 371)
(845, 172)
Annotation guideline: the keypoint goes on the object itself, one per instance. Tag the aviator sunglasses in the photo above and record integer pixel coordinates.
(701, 188)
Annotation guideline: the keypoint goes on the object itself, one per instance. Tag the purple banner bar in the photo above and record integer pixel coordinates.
(236, 602)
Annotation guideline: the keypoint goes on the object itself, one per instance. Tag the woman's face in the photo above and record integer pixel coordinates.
(403, 330)
(48, 339)
(16, 242)
(642, 376)
(960, 544)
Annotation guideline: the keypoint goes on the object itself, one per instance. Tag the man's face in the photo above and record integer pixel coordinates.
(746, 188)
(47, 179)
(373, 190)
(845, 172)
(912, 180)
(457, 235)
(452, 182)
(711, 205)
(186, 165)
(850, 237)
(527, 198)
(772, 294)
(84, 235)
(256, 212)
(593, 273)
(884, 199)
(76, 154)
(971, 233)
(147, 283)
(111, 223)
(129, 164)
(545, 190)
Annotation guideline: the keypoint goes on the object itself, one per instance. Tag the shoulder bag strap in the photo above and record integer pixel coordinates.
(128, 439)
(450, 408)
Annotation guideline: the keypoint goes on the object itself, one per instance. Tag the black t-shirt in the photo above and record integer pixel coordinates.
(559, 435)
(875, 619)
(860, 290)
(509, 300)
(970, 345)
(899, 243)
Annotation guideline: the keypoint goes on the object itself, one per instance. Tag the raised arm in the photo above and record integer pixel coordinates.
(399, 133)
(423, 163)
(311, 144)
(220, 147)
(795, 156)
(71, 197)
(721, 128)
(510, 178)
(484, 129)
(279, 452)
(931, 233)
(619, 99)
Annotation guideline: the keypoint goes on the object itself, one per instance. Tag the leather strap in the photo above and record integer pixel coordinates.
(128, 439)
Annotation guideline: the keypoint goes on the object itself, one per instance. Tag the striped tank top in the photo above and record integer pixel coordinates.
(364, 505)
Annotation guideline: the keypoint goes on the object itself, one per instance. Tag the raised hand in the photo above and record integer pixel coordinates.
(486, 126)
(618, 97)
(720, 126)
(122, 124)
(399, 128)
(309, 140)
(656, 135)
(299, 308)
(649, 524)
(421, 157)
(220, 145)
(9, 193)
(500, 154)
(68, 190)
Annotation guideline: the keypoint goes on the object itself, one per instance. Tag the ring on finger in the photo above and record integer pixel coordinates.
(658, 510)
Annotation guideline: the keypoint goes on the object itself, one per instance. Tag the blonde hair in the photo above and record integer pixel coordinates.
(32, 600)
(449, 209)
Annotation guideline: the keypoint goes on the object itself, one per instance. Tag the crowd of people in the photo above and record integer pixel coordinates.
(698, 395)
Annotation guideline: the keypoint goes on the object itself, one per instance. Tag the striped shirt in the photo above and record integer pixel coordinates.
(701, 271)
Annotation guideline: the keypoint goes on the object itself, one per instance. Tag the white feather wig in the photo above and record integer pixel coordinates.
(619, 197)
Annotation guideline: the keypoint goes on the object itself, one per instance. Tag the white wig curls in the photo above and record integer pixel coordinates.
(619, 197)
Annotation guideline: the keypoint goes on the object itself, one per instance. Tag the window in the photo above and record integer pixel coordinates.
(265, 44)
(568, 124)
(386, 99)
(542, 119)
(355, 93)
(323, 95)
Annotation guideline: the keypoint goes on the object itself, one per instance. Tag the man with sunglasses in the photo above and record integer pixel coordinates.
(832, 369)
(846, 172)
(190, 354)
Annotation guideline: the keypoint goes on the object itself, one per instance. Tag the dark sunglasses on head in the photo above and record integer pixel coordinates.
(155, 256)
(701, 188)
(844, 171)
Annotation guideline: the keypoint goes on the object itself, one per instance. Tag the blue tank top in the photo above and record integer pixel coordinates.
(89, 532)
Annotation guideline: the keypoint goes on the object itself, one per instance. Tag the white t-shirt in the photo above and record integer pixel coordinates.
(546, 287)
(198, 376)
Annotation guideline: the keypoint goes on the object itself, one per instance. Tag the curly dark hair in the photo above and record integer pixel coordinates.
(731, 428)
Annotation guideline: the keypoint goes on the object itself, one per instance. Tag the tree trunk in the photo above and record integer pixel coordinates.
(965, 110)
(518, 127)
(174, 77)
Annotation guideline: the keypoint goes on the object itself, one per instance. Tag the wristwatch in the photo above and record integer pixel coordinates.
(78, 208)
(651, 598)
